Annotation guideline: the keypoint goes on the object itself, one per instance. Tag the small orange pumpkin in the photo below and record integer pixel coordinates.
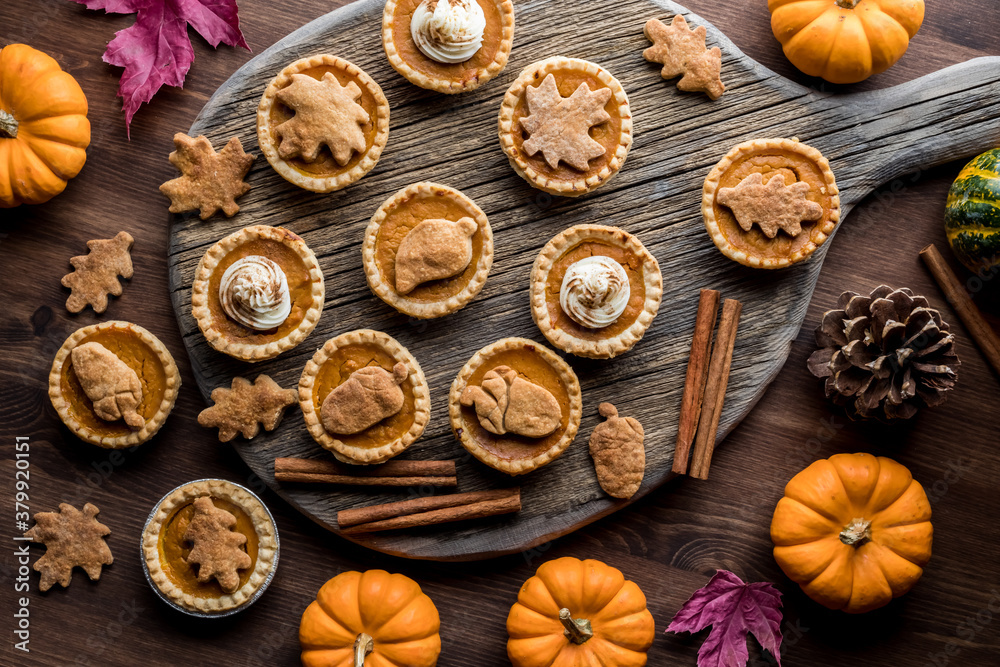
(44, 131)
(853, 531)
(845, 41)
(575, 612)
(370, 618)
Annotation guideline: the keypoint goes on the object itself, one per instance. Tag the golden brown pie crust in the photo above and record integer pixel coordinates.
(615, 134)
(305, 285)
(418, 69)
(333, 364)
(509, 453)
(142, 352)
(386, 230)
(797, 162)
(164, 549)
(324, 174)
(568, 247)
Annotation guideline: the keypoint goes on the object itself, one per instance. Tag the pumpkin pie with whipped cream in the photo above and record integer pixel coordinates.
(770, 203)
(113, 384)
(595, 290)
(451, 46)
(210, 547)
(566, 126)
(515, 406)
(257, 293)
(364, 397)
(322, 123)
(427, 250)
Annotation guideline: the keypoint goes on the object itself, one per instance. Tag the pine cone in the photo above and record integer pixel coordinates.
(885, 355)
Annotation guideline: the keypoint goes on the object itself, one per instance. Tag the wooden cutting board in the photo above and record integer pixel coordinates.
(870, 138)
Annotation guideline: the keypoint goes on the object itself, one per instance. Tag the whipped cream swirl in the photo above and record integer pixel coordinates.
(448, 31)
(595, 291)
(254, 292)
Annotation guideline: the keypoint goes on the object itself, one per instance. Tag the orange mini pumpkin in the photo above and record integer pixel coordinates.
(575, 612)
(853, 531)
(845, 41)
(44, 131)
(370, 618)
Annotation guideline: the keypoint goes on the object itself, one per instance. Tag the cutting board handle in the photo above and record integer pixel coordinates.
(950, 114)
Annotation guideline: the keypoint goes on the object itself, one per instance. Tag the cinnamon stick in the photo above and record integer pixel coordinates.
(961, 301)
(697, 376)
(393, 473)
(429, 510)
(715, 389)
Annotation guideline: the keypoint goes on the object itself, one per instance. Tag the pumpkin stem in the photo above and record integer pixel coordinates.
(578, 630)
(847, 4)
(8, 125)
(856, 533)
(363, 645)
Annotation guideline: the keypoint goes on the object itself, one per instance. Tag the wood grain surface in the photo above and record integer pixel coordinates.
(868, 137)
(670, 542)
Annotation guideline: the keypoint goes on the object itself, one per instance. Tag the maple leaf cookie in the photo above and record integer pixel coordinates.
(209, 181)
(72, 539)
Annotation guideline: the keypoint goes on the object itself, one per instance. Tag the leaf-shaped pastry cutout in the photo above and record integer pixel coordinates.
(111, 385)
(434, 249)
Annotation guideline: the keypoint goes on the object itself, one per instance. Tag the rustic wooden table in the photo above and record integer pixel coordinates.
(669, 543)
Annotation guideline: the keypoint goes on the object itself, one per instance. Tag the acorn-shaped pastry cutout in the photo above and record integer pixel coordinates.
(619, 456)
(111, 385)
(434, 249)
(507, 403)
(369, 396)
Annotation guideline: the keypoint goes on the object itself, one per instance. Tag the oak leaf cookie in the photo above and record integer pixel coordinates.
(619, 456)
(72, 539)
(244, 407)
(215, 547)
(95, 275)
(683, 53)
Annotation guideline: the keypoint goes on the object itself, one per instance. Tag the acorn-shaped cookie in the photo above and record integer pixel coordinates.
(619, 456)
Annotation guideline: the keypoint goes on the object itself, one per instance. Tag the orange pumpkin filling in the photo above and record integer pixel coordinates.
(174, 549)
(138, 356)
(338, 369)
(633, 266)
(406, 215)
(795, 167)
(461, 72)
(325, 166)
(299, 288)
(608, 133)
(532, 367)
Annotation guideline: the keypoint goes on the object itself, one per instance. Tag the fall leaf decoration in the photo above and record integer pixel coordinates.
(772, 205)
(733, 609)
(326, 113)
(209, 181)
(245, 407)
(215, 545)
(560, 126)
(72, 539)
(95, 275)
(683, 53)
(156, 49)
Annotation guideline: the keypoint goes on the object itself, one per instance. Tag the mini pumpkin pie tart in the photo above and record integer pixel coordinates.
(770, 203)
(257, 293)
(113, 384)
(451, 46)
(427, 250)
(210, 547)
(322, 123)
(515, 405)
(566, 126)
(364, 397)
(595, 290)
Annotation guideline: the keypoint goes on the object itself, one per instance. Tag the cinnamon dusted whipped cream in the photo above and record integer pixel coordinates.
(595, 291)
(254, 292)
(448, 31)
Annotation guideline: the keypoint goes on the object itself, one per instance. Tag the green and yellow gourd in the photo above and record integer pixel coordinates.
(972, 214)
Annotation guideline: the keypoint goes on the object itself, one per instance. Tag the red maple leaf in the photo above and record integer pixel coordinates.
(733, 609)
(156, 50)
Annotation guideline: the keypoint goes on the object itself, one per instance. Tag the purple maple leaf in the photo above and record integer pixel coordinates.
(733, 609)
(155, 50)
